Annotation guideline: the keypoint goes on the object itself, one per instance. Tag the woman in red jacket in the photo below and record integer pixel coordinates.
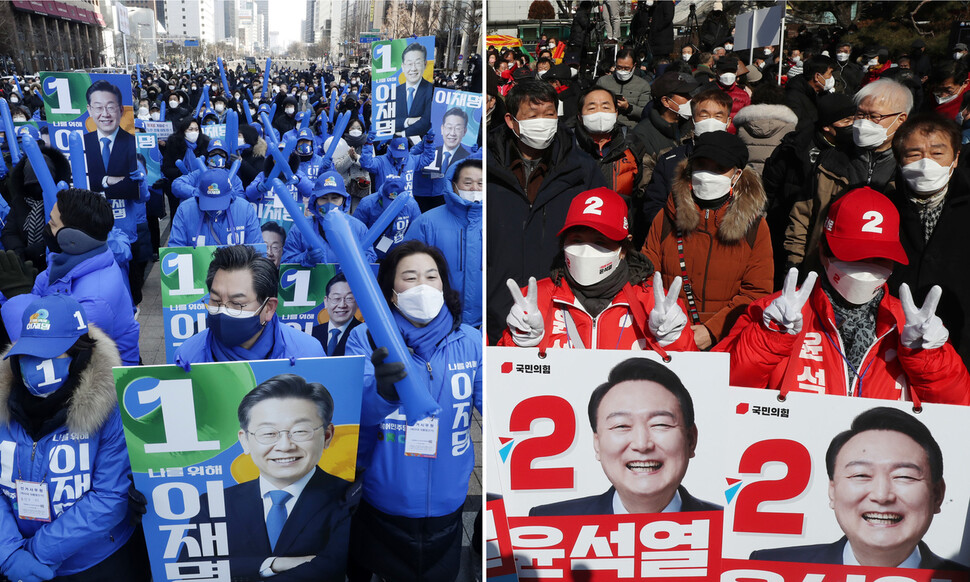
(846, 335)
(600, 295)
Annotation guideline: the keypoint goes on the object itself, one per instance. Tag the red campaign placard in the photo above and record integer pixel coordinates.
(499, 563)
(758, 571)
(659, 546)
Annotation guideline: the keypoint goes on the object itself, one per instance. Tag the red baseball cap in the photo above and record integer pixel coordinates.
(864, 224)
(601, 209)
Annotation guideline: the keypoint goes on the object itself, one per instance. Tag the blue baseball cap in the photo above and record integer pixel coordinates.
(214, 190)
(330, 183)
(398, 147)
(305, 134)
(217, 145)
(51, 325)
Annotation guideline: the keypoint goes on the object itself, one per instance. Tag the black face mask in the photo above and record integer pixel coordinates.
(843, 136)
(51, 241)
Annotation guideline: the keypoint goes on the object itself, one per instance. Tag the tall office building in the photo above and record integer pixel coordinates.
(191, 18)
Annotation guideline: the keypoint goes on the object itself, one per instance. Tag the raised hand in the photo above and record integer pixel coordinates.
(525, 319)
(923, 328)
(785, 311)
(666, 320)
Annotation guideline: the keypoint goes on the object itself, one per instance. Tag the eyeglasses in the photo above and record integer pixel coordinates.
(875, 117)
(233, 308)
(110, 108)
(341, 299)
(297, 434)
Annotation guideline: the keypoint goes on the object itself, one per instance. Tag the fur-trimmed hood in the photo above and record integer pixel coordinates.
(95, 397)
(733, 219)
(765, 120)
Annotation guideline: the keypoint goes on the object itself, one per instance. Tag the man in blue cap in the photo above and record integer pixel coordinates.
(311, 162)
(187, 186)
(328, 194)
(387, 164)
(215, 216)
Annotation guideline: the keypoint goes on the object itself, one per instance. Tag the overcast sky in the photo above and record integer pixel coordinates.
(285, 17)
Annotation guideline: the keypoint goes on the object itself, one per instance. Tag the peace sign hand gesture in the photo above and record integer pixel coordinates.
(923, 328)
(525, 319)
(666, 320)
(785, 311)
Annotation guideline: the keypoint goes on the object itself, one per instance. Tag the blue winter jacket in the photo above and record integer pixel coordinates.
(420, 486)
(102, 288)
(456, 229)
(192, 227)
(257, 191)
(83, 461)
(381, 166)
(187, 186)
(372, 207)
(291, 344)
(296, 249)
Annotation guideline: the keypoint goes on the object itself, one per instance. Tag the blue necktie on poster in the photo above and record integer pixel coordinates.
(332, 344)
(105, 151)
(410, 98)
(277, 515)
(445, 158)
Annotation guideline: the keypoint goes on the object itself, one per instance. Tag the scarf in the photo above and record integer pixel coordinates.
(424, 340)
(62, 263)
(34, 223)
(268, 346)
(856, 325)
(929, 211)
(597, 297)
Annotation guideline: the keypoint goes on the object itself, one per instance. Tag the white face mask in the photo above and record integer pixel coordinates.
(829, 84)
(241, 141)
(943, 100)
(729, 47)
(710, 185)
(797, 59)
(420, 304)
(539, 74)
(685, 56)
(857, 282)
(727, 79)
(599, 122)
(649, 3)
(289, 110)
(191, 136)
(767, 52)
(173, 104)
(538, 133)
(623, 76)
(552, 45)
(926, 176)
(143, 111)
(220, 107)
(573, 71)
(471, 195)
(957, 56)
(868, 134)
(842, 57)
(355, 133)
(20, 119)
(874, 62)
(156, 115)
(710, 124)
(682, 110)
(589, 264)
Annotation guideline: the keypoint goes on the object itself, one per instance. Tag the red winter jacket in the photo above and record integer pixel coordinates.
(739, 97)
(613, 327)
(811, 361)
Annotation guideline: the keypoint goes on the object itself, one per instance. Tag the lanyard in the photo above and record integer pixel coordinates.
(688, 291)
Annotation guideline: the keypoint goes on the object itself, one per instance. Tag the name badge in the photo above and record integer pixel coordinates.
(421, 439)
(383, 244)
(32, 501)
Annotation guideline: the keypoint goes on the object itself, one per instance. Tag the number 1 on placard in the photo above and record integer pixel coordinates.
(186, 277)
(383, 53)
(62, 90)
(178, 418)
(301, 289)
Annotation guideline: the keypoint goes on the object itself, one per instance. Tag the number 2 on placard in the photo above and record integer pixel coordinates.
(795, 457)
(523, 474)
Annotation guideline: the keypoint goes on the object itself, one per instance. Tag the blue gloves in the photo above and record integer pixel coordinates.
(23, 566)
(316, 255)
(371, 136)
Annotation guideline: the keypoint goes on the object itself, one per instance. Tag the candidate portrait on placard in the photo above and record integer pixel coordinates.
(885, 485)
(293, 521)
(454, 126)
(644, 436)
(413, 97)
(341, 308)
(109, 150)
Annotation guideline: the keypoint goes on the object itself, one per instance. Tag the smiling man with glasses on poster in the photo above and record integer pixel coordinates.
(241, 323)
(109, 151)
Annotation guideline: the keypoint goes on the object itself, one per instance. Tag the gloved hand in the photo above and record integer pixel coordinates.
(666, 320)
(261, 186)
(371, 136)
(923, 328)
(429, 137)
(22, 566)
(525, 320)
(160, 183)
(785, 312)
(327, 165)
(137, 503)
(16, 277)
(386, 374)
(316, 255)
